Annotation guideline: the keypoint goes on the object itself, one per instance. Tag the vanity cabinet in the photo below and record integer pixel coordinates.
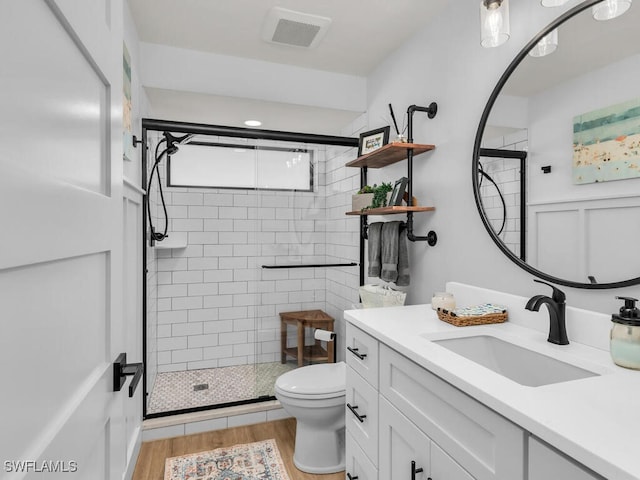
(546, 462)
(407, 414)
(401, 413)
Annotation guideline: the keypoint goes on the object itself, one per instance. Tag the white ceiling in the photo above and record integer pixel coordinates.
(362, 32)
(361, 35)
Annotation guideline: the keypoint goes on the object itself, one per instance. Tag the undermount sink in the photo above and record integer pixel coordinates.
(517, 363)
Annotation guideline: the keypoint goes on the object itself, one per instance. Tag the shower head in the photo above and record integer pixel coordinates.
(173, 143)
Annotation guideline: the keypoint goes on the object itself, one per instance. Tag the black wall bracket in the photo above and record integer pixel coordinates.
(121, 369)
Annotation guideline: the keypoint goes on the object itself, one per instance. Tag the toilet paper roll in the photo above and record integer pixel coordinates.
(324, 335)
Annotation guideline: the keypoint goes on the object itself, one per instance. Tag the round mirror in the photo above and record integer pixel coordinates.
(556, 165)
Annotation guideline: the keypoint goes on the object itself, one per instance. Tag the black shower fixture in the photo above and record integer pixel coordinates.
(173, 143)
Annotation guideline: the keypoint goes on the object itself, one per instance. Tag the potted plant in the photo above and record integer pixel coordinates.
(362, 199)
(371, 197)
(381, 195)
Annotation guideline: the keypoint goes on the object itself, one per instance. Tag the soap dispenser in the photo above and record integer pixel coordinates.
(625, 335)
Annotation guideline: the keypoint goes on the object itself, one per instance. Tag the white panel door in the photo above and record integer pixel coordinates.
(61, 240)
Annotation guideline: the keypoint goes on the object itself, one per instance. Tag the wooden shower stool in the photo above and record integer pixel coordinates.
(306, 319)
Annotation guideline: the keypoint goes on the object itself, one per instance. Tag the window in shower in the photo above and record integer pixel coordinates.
(217, 165)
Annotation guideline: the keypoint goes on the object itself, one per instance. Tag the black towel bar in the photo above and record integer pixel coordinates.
(313, 265)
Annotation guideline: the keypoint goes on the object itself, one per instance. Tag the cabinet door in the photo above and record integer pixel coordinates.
(444, 468)
(362, 354)
(487, 445)
(362, 414)
(546, 462)
(357, 465)
(401, 443)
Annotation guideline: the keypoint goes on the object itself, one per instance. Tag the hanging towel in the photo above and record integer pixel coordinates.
(389, 251)
(374, 237)
(403, 260)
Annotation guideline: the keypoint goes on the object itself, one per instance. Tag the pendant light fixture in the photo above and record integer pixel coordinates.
(546, 45)
(494, 22)
(609, 9)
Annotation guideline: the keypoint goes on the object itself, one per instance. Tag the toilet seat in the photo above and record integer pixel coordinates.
(320, 381)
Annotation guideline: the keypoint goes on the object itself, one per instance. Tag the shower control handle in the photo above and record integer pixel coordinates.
(355, 351)
(358, 416)
(415, 470)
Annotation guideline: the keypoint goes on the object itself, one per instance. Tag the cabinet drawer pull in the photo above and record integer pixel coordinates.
(358, 416)
(355, 351)
(415, 470)
(351, 478)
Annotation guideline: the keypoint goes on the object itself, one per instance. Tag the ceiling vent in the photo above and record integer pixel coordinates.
(287, 27)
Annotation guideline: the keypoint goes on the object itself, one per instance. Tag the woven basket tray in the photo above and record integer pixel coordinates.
(466, 321)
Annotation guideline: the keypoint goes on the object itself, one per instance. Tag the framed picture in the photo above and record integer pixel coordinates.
(373, 140)
(398, 192)
(605, 144)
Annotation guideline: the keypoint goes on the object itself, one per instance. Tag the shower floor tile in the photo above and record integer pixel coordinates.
(186, 389)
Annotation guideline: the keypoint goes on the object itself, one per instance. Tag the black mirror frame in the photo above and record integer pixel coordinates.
(476, 156)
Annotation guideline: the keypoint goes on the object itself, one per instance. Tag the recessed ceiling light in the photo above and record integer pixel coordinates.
(253, 123)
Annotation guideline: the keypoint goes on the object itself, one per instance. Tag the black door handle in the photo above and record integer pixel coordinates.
(355, 351)
(358, 416)
(415, 470)
(351, 478)
(122, 369)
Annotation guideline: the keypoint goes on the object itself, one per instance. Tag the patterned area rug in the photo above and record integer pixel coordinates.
(249, 461)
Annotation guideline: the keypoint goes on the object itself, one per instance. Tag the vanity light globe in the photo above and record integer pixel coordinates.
(609, 9)
(494, 22)
(546, 45)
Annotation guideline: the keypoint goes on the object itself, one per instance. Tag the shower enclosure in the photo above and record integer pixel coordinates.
(255, 228)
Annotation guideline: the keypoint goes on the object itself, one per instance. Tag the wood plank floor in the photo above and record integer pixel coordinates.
(150, 464)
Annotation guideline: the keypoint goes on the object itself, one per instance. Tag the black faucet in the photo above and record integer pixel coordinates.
(556, 306)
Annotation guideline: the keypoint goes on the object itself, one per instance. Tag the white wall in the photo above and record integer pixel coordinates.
(140, 104)
(445, 63)
(551, 116)
(175, 68)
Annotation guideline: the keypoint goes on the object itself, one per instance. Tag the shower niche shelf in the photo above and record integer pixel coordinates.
(168, 245)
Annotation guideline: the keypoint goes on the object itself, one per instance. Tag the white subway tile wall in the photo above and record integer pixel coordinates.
(506, 173)
(154, 279)
(216, 306)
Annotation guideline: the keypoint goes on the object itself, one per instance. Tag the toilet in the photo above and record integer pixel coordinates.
(315, 396)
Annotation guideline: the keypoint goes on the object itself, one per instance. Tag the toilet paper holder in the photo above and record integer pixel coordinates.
(324, 335)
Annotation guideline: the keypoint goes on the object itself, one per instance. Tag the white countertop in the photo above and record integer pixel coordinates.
(595, 420)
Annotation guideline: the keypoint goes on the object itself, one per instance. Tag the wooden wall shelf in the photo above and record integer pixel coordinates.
(388, 154)
(392, 210)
